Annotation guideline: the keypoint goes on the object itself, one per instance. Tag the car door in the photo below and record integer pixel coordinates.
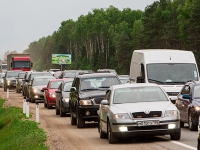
(182, 104)
(46, 92)
(104, 111)
(59, 94)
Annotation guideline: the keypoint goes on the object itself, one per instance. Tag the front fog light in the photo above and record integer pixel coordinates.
(171, 126)
(87, 113)
(123, 129)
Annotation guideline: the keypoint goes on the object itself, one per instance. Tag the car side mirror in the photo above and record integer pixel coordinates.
(104, 102)
(186, 96)
(73, 90)
(57, 91)
(140, 79)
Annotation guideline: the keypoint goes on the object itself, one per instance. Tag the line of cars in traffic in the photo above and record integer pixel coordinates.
(121, 111)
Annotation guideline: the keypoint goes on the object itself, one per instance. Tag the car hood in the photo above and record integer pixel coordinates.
(196, 102)
(92, 94)
(39, 86)
(143, 106)
(65, 94)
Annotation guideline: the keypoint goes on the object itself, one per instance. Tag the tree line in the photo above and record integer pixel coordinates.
(106, 38)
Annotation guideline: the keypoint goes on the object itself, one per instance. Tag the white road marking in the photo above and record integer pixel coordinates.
(184, 145)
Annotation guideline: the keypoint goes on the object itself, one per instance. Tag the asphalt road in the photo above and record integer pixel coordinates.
(88, 138)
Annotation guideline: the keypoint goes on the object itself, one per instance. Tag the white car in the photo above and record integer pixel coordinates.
(140, 109)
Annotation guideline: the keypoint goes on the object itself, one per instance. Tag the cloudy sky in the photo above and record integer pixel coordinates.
(26, 21)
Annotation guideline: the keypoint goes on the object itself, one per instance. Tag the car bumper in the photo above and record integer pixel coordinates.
(65, 106)
(134, 130)
(51, 101)
(88, 112)
(37, 96)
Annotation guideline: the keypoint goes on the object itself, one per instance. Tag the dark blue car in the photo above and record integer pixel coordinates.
(188, 104)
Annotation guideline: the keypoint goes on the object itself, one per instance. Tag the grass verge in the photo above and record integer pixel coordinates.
(18, 133)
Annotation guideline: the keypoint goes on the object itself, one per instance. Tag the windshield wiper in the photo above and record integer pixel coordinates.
(89, 89)
(104, 87)
(156, 81)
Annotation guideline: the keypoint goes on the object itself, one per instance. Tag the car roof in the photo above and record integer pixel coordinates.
(54, 79)
(44, 77)
(133, 85)
(86, 75)
(40, 72)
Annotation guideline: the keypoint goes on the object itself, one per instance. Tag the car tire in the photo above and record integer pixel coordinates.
(101, 133)
(62, 114)
(4, 88)
(198, 144)
(192, 127)
(111, 138)
(32, 100)
(57, 110)
(48, 106)
(181, 124)
(176, 136)
(45, 104)
(80, 121)
(73, 120)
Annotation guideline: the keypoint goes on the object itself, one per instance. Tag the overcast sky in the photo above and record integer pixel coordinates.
(26, 21)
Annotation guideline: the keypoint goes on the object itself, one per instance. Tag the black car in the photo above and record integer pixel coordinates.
(19, 81)
(9, 79)
(188, 104)
(86, 93)
(62, 97)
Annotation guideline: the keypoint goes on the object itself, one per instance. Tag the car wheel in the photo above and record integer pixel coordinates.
(32, 100)
(80, 121)
(45, 104)
(4, 88)
(62, 114)
(176, 136)
(181, 124)
(48, 106)
(192, 127)
(57, 110)
(73, 120)
(101, 133)
(198, 145)
(111, 138)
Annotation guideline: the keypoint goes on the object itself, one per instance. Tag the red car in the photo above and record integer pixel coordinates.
(49, 93)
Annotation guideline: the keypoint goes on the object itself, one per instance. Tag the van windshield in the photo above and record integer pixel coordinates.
(171, 73)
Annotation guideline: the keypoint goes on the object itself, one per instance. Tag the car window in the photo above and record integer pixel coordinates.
(67, 86)
(185, 90)
(197, 92)
(138, 94)
(55, 84)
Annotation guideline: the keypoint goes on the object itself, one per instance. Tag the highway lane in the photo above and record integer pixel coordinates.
(89, 138)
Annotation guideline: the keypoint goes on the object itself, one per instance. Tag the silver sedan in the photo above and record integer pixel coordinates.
(131, 110)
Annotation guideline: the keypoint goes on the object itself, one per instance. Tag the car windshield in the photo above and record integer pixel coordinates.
(21, 75)
(67, 86)
(69, 74)
(98, 82)
(55, 84)
(21, 64)
(12, 74)
(41, 81)
(197, 92)
(171, 73)
(138, 94)
(37, 75)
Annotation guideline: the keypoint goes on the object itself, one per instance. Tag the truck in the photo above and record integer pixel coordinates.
(19, 61)
(169, 68)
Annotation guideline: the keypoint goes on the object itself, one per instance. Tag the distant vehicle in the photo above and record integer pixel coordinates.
(54, 70)
(188, 103)
(57, 74)
(36, 86)
(124, 78)
(163, 66)
(72, 73)
(3, 68)
(10, 79)
(132, 110)
(1, 78)
(62, 97)
(19, 81)
(49, 92)
(19, 61)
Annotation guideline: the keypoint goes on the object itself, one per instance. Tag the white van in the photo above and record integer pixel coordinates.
(166, 67)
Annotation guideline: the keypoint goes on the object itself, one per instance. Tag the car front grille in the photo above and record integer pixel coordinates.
(98, 100)
(151, 114)
(172, 93)
(159, 127)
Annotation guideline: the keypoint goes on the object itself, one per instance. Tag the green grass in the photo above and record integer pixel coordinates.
(19, 133)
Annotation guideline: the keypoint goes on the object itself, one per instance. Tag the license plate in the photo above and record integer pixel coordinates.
(148, 123)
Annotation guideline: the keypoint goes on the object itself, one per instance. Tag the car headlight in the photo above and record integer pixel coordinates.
(85, 102)
(65, 99)
(170, 113)
(197, 108)
(8, 82)
(36, 90)
(52, 95)
(121, 116)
